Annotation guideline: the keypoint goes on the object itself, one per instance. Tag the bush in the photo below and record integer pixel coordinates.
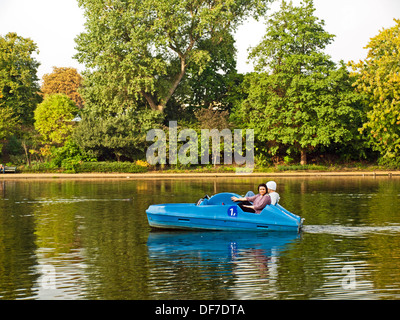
(39, 167)
(302, 167)
(109, 167)
(76, 166)
(69, 153)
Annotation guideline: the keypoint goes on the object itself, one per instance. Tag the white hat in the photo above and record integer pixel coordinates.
(271, 185)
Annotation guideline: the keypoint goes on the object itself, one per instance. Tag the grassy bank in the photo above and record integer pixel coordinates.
(129, 167)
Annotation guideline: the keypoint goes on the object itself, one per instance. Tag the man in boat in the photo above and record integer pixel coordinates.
(271, 185)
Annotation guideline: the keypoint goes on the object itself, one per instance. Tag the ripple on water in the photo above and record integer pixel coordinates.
(351, 230)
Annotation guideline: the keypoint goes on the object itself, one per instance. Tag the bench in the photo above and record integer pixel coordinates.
(9, 170)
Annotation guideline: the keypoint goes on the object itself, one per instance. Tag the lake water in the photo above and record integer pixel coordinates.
(89, 239)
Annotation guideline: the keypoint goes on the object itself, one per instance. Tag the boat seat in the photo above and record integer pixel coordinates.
(202, 202)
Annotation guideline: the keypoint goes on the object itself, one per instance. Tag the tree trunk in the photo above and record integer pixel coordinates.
(151, 101)
(163, 102)
(28, 160)
(176, 82)
(303, 158)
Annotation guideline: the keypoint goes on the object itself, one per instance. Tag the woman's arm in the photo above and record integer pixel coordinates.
(251, 207)
(238, 199)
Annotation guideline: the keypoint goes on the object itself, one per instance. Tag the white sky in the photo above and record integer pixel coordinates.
(53, 25)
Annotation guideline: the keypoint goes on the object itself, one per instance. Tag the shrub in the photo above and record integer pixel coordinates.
(72, 165)
(302, 167)
(70, 152)
(108, 167)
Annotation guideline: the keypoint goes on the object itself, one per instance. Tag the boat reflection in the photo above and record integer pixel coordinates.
(224, 245)
(231, 264)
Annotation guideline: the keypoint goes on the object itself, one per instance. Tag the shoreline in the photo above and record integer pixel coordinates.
(185, 175)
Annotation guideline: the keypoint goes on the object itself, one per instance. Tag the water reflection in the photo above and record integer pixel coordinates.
(230, 265)
(94, 238)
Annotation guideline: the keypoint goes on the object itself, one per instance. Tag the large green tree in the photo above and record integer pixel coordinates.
(141, 49)
(298, 99)
(378, 79)
(19, 85)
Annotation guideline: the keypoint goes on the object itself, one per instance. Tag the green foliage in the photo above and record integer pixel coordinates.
(140, 50)
(74, 166)
(288, 159)
(18, 80)
(8, 123)
(378, 79)
(299, 99)
(311, 167)
(110, 167)
(39, 167)
(178, 57)
(119, 134)
(14, 151)
(214, 84)
(69, 155)
(53, 118)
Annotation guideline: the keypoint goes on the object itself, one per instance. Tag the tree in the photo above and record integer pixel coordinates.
(18, 77)
(121, 135)
(378, 79)
(8, 124)
(212, 85)
(63, 80)
(298, 98)
(215, 86)
(212, 119)
(141, 49)
(53, 118)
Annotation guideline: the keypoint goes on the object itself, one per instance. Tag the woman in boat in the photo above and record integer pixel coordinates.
(271, 186)
(259, 201)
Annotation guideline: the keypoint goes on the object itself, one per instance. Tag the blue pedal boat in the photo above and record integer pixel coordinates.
(221, 213)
